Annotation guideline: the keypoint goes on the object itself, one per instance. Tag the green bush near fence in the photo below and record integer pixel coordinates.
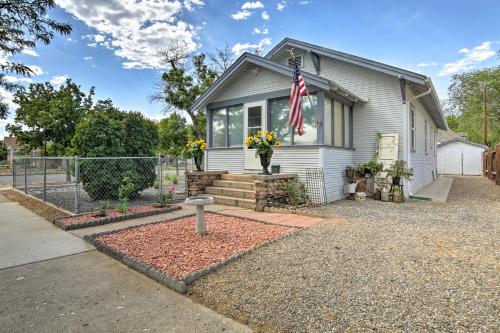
(113, 133)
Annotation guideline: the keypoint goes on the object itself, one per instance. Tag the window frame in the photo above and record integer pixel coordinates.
(426, 137)
(413, 128)
(226, 126)
(293, 132)
(343, 122)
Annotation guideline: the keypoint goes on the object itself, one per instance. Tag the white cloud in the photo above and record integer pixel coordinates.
(37, 70)
(135, 30)
(241, 15)
(252, 5)
(263, 31)
(87, 58)
(4, 122)
(239, 48)
(15, 79)
(427, 64)
(57, 80)
(189, 4)
(471, 58)
(265, 15)
(30, 52)
(305, 2)
(281, 5)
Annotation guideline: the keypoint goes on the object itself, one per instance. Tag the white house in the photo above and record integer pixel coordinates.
(355, 98)
(460, 157)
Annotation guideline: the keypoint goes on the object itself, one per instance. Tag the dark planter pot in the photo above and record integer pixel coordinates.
(376, 195)
(396, 180)
(198, 160)
(265, 161)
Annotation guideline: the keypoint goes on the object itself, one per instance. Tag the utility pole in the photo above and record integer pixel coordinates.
(485, 109)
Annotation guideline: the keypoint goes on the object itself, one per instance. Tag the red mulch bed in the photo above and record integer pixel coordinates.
(174, 248)
(87, 218)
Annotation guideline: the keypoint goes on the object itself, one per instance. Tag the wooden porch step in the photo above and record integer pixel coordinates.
(231, 192)
(237, 178)
(234, 184)
(232, 201)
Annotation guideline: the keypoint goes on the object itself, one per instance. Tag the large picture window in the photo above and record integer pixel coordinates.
(340, 124)
(227, 126)
(279, 113)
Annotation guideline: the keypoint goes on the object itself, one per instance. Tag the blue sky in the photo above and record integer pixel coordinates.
(114, 43)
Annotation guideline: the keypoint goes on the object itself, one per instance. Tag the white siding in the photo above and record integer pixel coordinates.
(296, 160)
(424, 165)
(334, 161)
(383, 112)
(247, 83)
(230, 160)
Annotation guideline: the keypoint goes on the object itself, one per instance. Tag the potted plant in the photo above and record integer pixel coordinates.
(263, 145)
(350, 174)
(195, 149)
(397, 194)
(399, 170)
(373, 167)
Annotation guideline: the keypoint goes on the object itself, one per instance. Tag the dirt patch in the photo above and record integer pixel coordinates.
(39, 208)
(174, 248)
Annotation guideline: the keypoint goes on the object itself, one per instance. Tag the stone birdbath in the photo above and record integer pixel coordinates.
(200, 202)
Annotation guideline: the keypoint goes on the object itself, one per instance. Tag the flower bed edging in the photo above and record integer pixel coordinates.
(297, 211)
(178, 285)
(112, 219)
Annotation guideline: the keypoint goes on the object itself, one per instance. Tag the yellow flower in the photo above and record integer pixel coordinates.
(269, 137)
(250, 139)
(277, 144)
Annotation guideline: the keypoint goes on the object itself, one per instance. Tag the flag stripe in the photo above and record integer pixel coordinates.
(299, 89)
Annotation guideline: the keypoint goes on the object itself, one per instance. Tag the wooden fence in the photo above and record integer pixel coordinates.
(491, 163)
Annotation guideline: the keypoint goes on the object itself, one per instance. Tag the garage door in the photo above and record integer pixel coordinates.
(460, 159)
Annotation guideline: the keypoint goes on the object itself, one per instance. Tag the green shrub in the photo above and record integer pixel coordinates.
(103, 207)
(113, 133)
(122, 206)
(296, 192)
(173, 178)
(400, 169)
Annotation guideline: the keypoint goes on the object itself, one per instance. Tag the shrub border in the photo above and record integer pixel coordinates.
(179, 285)
(106, 220)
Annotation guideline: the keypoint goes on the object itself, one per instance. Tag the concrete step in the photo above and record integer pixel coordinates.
(234, 184)
(237, 178)
(231, 201)
(231, 192)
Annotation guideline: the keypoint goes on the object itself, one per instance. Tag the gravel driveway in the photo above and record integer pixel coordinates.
(417, 266)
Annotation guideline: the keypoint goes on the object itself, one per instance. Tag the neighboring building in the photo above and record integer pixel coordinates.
(460, 157)
(447, 135)
(355, 99)
(11, 143)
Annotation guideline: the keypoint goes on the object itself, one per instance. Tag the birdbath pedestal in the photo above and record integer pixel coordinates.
(200, 202)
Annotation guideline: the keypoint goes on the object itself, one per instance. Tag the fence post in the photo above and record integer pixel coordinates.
(25, 175)
(13, 173)
(44, 179)
(160, 174)
(77, 185)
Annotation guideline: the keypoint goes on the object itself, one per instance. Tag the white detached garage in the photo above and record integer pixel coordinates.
(460, 157)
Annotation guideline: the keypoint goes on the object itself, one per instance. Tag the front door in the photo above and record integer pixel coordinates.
(253, 122)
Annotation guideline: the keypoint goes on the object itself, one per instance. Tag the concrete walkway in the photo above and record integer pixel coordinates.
(52, 281)
(26, 237)
(438, 190)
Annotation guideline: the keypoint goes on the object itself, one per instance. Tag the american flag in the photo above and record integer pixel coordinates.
(298, 90)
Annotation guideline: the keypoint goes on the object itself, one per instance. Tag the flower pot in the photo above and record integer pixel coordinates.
(198, 161)
(396, 180)
(397, 197)
(377, 195)
(351, 188)
(265, 161)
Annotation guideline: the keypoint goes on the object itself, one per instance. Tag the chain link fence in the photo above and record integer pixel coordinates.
(79, 184)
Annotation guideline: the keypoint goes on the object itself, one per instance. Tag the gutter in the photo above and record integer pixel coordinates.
(429, 85)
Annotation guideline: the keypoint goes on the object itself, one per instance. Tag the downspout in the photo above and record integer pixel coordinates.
(414, 98)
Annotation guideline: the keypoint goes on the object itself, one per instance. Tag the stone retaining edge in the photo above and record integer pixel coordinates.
(106, 220)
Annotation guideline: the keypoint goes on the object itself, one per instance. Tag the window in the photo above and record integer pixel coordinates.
(435, 142)
(278, 121)
(338, 124)
(412, 128)
(426, 140)
(347, 126)
(227, 127)
(298, 60)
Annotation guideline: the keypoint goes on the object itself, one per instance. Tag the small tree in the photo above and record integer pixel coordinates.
(173, 136)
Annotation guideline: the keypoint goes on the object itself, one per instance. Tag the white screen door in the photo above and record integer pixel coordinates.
(254, 122)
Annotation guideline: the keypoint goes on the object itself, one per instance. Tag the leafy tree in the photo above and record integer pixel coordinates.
(3, 151)
(187, 78)
(465, 104)
(172, 133)
(22, 25)
(109, 132)
(47, 114)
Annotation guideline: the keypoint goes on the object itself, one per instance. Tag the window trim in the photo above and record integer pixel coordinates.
(426, 137)
(226, 124)
(413, 128)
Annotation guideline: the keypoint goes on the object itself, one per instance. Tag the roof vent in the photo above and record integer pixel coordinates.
(298, 60)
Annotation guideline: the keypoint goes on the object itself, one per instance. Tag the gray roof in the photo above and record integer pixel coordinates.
(443, 136)
(418, 83)
(246, 57)
(461, 140)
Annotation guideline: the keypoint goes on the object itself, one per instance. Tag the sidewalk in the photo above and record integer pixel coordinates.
(438, 190)
(52, 281)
